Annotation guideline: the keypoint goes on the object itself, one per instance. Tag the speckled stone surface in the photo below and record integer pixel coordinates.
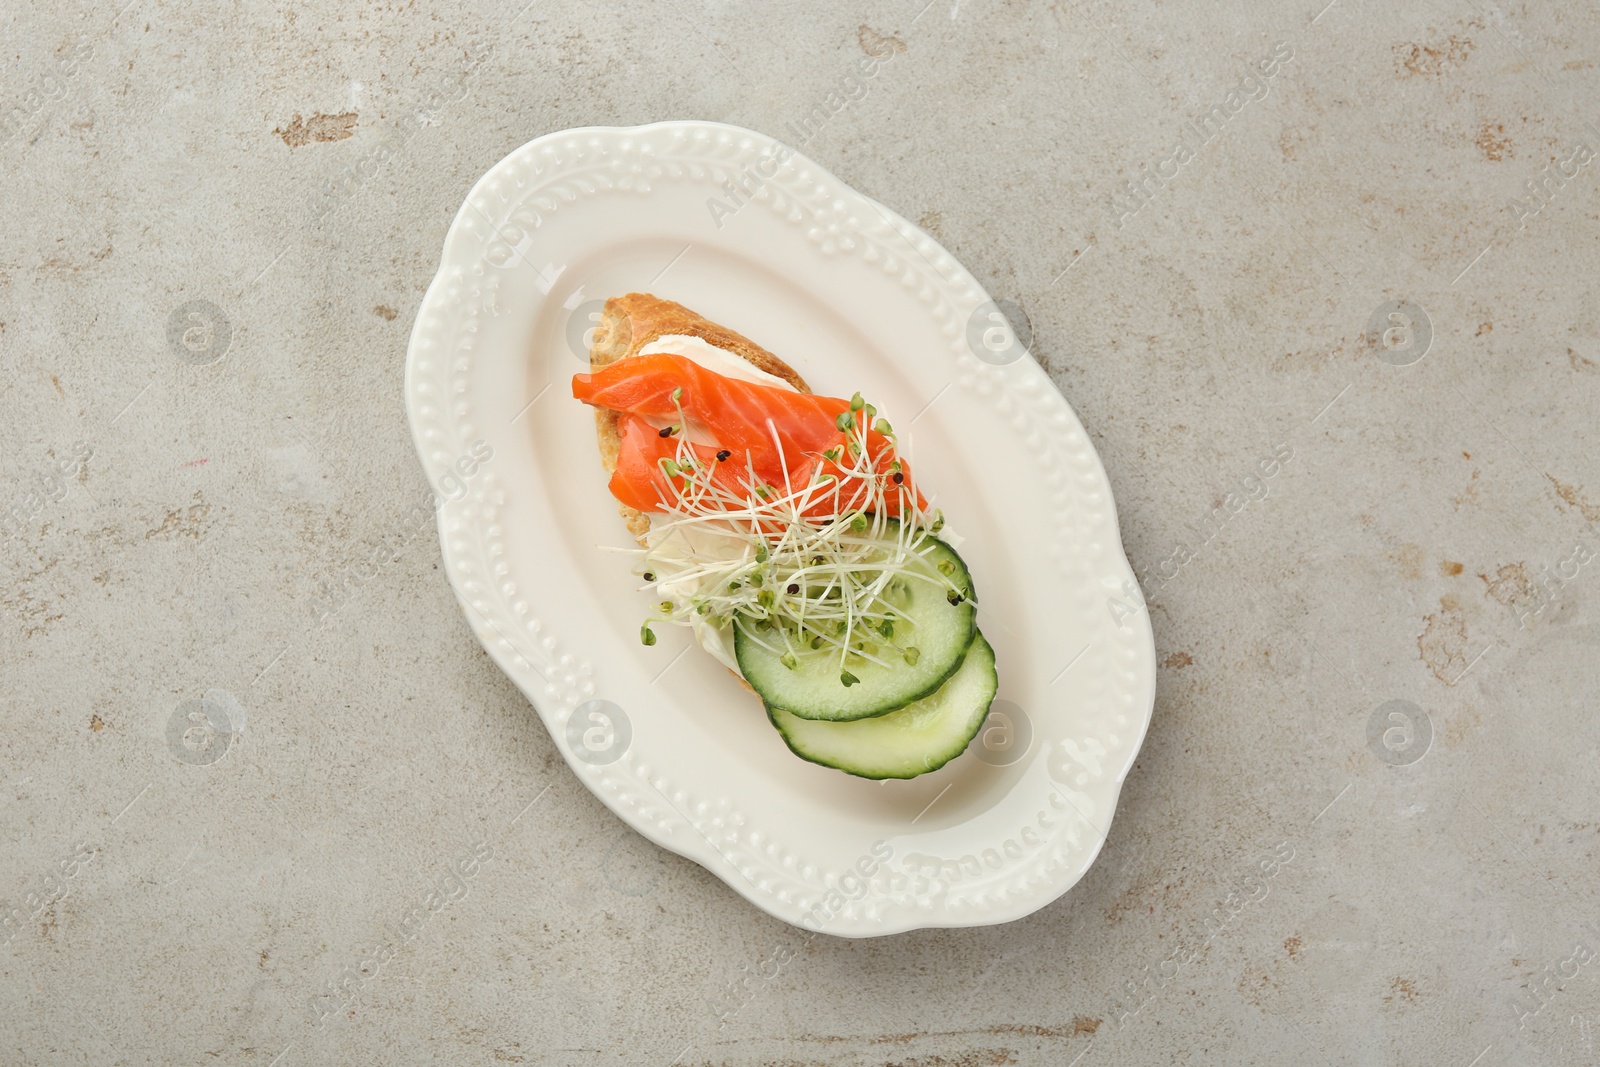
(266, 800)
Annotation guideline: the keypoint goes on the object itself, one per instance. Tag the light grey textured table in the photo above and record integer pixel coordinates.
(215, 230)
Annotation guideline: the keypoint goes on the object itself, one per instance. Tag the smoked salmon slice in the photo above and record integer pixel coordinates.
(749, 439)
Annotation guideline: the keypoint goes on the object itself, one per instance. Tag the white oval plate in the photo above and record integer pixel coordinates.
(855, 298)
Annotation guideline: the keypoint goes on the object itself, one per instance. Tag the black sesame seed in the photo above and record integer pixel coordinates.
(666, 431)
(898, 477)
(649, 576)
(723, 454)
(794, 587)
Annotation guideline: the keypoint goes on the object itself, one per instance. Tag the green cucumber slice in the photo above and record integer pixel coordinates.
(920, 737)
(814, 686)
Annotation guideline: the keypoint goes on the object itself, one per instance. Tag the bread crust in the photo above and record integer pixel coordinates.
(630, 322)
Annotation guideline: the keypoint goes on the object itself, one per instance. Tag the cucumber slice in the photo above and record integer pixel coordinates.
(939, 625)
(918, 738)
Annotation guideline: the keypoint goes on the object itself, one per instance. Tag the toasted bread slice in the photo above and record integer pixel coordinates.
(630, 322)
